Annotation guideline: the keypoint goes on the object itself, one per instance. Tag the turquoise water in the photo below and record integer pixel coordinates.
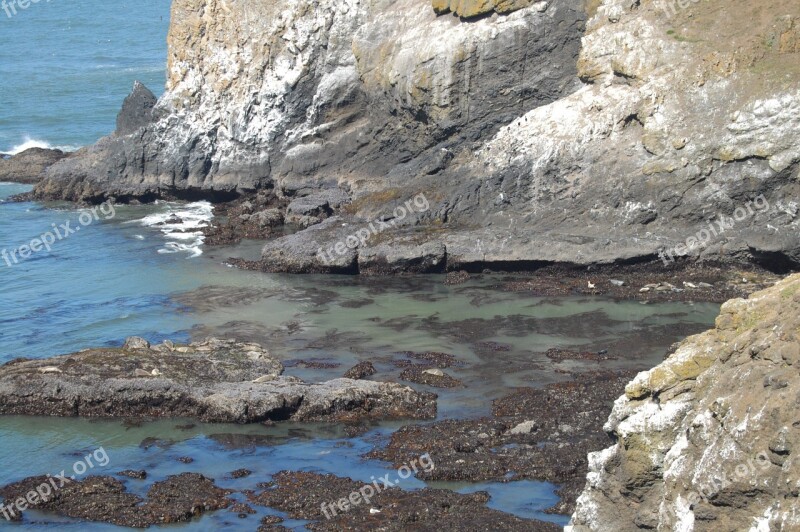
(66, 66)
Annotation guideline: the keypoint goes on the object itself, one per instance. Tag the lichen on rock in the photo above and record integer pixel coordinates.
(708, 439)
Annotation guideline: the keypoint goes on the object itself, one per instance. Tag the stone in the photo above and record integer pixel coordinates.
(523, 428)
(135, 342)
(136, 110)
(216, 386)
(360, 371)
(29, 166)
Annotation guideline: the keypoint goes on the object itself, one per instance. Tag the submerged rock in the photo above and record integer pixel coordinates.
(708, 439)
(214, 381)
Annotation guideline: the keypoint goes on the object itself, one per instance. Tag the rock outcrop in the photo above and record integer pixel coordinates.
(214, 381)
(709, 439)
(29, 166)
(667, 129)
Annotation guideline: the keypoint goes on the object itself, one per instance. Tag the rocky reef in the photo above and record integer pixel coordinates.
(219, 381)
(708, 439)
(540, 132)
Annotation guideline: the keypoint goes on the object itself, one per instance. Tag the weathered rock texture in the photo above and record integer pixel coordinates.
(683, 115)
(29, 165)
(709, 439)
(214, 381)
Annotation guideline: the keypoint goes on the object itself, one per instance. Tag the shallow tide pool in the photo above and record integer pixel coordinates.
(121, 277)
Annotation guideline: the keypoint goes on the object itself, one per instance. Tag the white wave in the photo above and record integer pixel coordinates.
(29, 143)
(179, 223)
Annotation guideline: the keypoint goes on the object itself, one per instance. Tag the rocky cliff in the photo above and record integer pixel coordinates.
(708, 440)
(539, 131)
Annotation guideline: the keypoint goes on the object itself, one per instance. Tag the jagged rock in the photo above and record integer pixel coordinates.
(28, 166)
(136, 110)
(707, 440)
(214, 381)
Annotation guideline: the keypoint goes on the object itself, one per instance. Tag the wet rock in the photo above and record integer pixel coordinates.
(138, 475)
(488, 449)
(254, 216)
(430, 377)
(360, 370)
(440, 360)
(302, 496)
(104, 499)
(211, 381)
(243, 510)
(29, 166)
(241, 473)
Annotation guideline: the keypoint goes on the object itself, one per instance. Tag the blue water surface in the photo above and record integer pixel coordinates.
(66, 66)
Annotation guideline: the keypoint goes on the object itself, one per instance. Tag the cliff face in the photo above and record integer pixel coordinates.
(533, 140)
(303, 94)
(709, 439)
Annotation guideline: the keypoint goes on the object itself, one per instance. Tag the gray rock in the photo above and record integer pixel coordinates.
(29, 166)
(135, 342)
(136, 110)
(231, 383)
(328, 247)
(315, 207)
(402, 257)
(523, 428)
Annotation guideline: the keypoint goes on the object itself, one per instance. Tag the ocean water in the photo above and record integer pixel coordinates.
(66, 66)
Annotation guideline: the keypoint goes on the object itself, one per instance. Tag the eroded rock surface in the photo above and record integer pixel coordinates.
(215, 381)
(29, 165)
(707, 440)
